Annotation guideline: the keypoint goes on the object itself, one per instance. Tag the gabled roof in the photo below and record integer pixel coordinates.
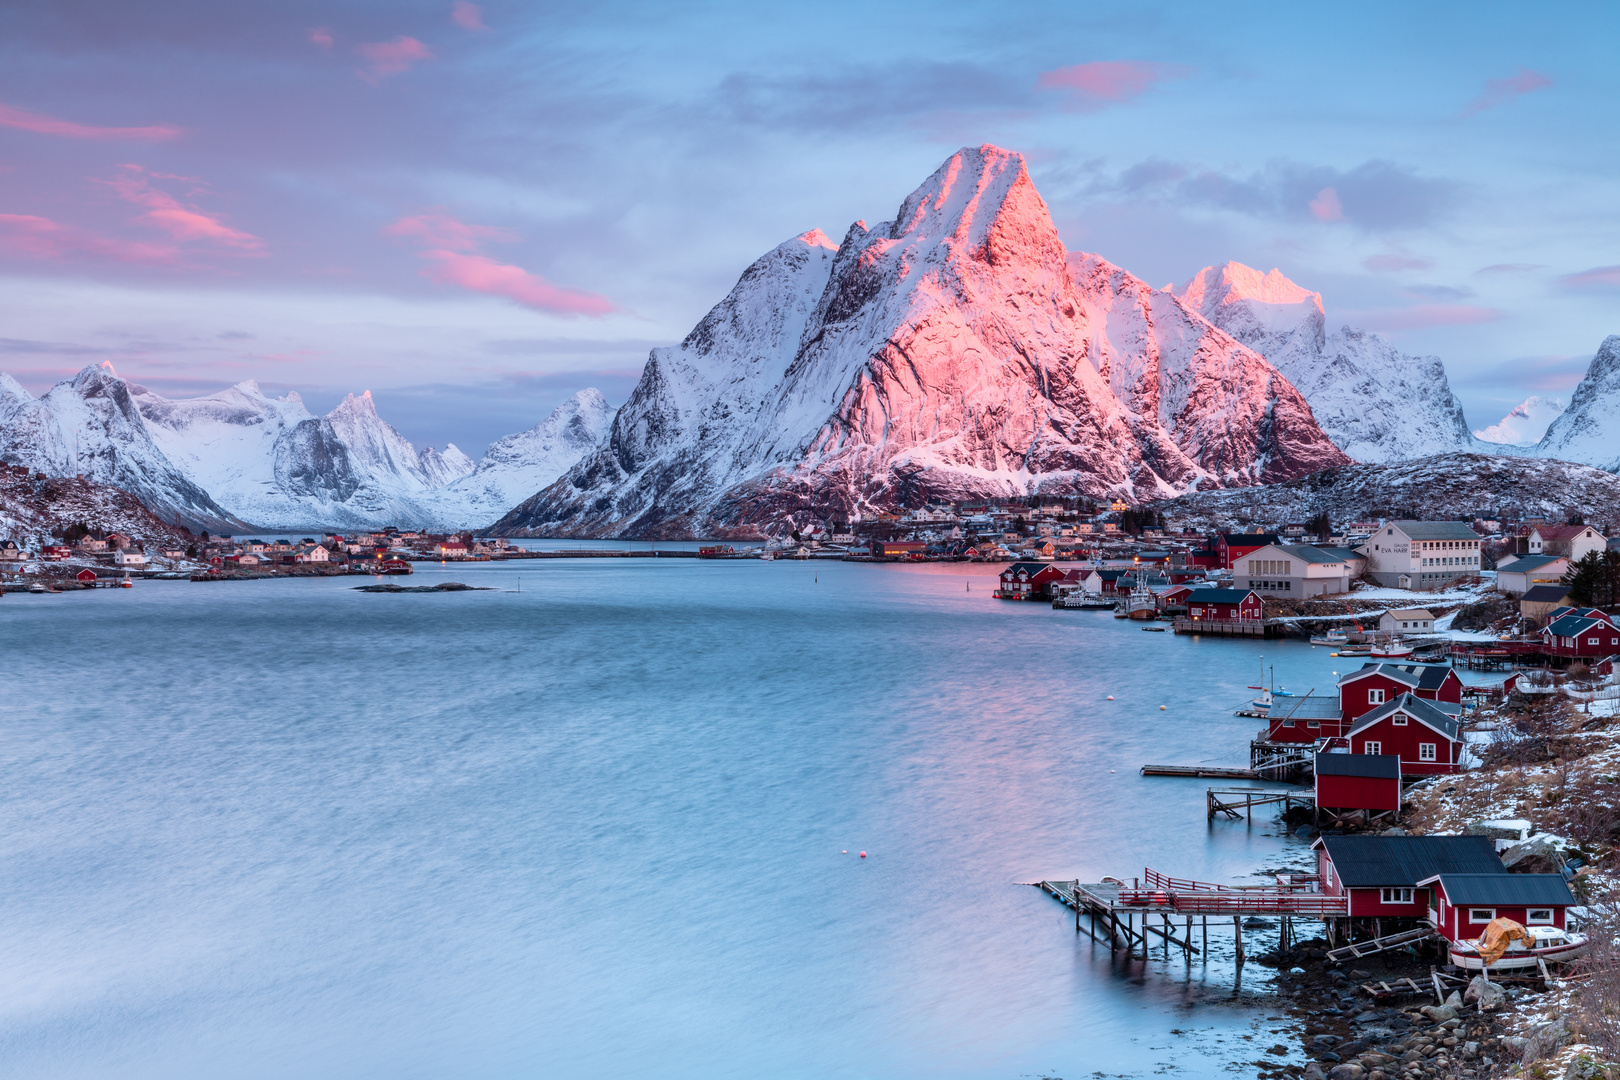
(1422, 676)
(1249, 539)
(1344, 553)
(1546, 594)
(1531, 562)
(1410, 613)
(1503, 890)
(1219, 596)
(1435, 530)
(1374, 862)
(1030, 568)
(1561, 532)
(1320, 556)
(1424, 712)
(1575, 625)
(1372, 766)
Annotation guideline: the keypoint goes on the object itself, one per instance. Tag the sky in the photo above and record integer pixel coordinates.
(476, 209)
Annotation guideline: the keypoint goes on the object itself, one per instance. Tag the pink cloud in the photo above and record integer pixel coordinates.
(1421, 316)
(164, 211)
(392, 57)
(1498, 91)
(1326, 206)
(41, 238)
(468, 16)
(1599, 277)
(443, 231)
(24, 120)
(1391, 262)
(321, 37)
(1101, 83)
(485, 275)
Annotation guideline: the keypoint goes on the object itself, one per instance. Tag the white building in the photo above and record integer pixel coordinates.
(129, 557)
(1527, 571)
(1406, 621)
(1571, 541)
(1422, 554)
(1293, 570)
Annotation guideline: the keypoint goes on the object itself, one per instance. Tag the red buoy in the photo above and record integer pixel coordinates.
(863, 854)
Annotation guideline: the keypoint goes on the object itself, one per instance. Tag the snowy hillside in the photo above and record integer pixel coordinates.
(1375, 402)
(1524, 425)
(36, 509)
(956, 351)
(89, 425)
(1589, 430)
(1442, 487)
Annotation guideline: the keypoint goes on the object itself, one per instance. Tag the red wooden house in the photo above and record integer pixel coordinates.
(1380, 875)
(1358, 782)
(1427, 740)
(1215, 605)
(1464, 904)
(86, 575)
(1028, 581)
(1230, 547)
(1374, 685)
(1581, 633)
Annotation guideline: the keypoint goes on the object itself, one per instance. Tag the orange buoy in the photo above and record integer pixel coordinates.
(1110, 697)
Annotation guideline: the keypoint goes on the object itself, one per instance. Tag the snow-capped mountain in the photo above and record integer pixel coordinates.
(89, 425)
(1524, 424)
(1589, 430)
(517, 466)
(956, 351)
(1376, 403)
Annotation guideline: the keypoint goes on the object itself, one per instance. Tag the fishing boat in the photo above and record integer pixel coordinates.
(1332, 637)
(1547, 943)
(1261, 706)
(1080, 600)
(36, 587)
(1389, 650)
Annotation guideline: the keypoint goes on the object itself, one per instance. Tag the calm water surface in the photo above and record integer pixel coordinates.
(597, 827)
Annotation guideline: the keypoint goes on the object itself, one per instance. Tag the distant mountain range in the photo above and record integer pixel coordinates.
(955, 351)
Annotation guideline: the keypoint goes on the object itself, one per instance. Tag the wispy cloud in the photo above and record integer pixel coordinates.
(1421, 316)
(1101, 83)
(1599, 277)
(1509, 268)
(1498, 91)
(1391, 262)
(321, 37)
(453, 260)
(385, 58)
(34, 237)
(163, 211)
(40, 124)
(468, 16)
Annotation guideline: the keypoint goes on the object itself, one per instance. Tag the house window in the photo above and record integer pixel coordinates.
(1313, 724)
(1426, 751)
(1539, 916)
(1371, 747)
(1481, 914)
(1375, 697)
(1399, 720)
(1397, 896)
(1591, 641)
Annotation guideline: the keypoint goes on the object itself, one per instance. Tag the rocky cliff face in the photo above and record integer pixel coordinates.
(956, 351)
(90, 426)
(1376, 403)
(1589, 430)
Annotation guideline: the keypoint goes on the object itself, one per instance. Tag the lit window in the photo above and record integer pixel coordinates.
(1539, 916)
(1397, 896)
(1481, 914)
(1426, 751)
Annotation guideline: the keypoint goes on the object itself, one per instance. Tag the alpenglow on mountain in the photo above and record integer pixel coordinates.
(956, 351)
(241, 460)
(1376, 403)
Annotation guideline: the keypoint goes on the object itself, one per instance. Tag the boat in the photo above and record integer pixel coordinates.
(126, 583)
(1389, 651)
(1142, 603)
(1547, 944)
(1080, 600)
(1153, 629)
(36, 587)
(767, 555)
(1332, 637)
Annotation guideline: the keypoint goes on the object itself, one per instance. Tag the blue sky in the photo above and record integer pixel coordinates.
(473, 210)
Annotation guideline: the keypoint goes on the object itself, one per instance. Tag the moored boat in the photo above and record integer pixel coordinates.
(1332, 637)
(1548, 944)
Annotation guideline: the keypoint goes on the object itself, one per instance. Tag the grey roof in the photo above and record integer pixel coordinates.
(1347, 554)
(1573, 625)
(1374, 766)
(1436, 530)
(1428, 676)
(1217, 596)
(1375, 862)
(1530, 562)
(1309, 707)
(1424, 712)
(1546, 594)
(1504, 890)
(1311, 554)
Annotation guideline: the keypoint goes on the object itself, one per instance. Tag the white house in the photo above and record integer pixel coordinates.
(129, 557)
(1406, 621)
(1527, 571)
(317, 553)
(1571, 541)
(1422, 554)
(1293, 570)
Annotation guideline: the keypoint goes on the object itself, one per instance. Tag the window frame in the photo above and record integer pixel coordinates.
(1375, 696)
(1400, 896)
(1398, 720)
(1428, 751)
(1473, 912)
(1531, 920)
(1373, 747)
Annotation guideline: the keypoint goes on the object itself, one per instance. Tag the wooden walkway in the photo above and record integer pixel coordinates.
(1239, 803)
(1201, 772)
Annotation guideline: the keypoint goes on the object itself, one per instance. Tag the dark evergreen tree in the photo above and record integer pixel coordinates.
(1594, 579)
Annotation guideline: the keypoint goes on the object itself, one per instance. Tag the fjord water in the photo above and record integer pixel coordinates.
(599, 827)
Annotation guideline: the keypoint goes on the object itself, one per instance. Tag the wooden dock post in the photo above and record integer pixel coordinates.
(1237, 928)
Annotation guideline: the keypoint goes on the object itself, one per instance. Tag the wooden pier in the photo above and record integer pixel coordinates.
(1228, 627)
(1201, 772)
(1239, 803)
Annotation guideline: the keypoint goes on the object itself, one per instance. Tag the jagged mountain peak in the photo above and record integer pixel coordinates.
(1523, 425)
(1589, 430)
(980, 198)
(353, 405)
(1233, 281)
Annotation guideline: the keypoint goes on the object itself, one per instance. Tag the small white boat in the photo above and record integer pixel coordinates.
(1389, 651)
(1332, 637)
(1551, 944)
(36, 587)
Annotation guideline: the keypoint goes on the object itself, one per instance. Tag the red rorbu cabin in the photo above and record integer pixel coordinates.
(1028, 581)
(1464, 904)
(1358, 782)
(1374, 685)
(1427, 740)
(1381, 876)
(87, 576)
(1216, 605)
(1584, 633)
